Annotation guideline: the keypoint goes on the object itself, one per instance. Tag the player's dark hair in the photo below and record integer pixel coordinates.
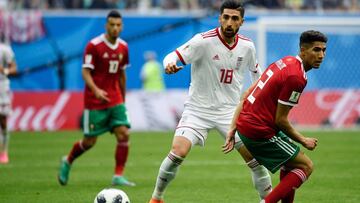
(232, 4)
(113, 14)
(310, 36)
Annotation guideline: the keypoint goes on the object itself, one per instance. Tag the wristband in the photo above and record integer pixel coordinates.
(6, 71)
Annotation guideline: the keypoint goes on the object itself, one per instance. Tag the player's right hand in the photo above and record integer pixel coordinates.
(172, 68)
(229, 142)
(102, 95)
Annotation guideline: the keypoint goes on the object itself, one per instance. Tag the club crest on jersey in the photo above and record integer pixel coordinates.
(294, 97)
(239, 61)
(120, 57)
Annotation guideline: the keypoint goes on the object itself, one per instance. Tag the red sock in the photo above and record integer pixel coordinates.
(121, 154)
(76, 151)
(292, 180)
(289, 198)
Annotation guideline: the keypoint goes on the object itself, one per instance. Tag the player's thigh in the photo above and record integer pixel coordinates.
(194, 127)
(95, 122)
(272, 153)
(119, 117)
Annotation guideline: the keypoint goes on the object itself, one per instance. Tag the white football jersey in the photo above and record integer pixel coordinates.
(6, 57)
(217, 70)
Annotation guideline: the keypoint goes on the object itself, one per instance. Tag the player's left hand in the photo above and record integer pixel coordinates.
(229, 142)
(310, 143)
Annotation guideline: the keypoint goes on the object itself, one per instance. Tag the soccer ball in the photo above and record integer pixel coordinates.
(111, 195)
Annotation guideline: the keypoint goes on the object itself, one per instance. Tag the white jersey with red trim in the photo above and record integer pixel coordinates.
(6, 57)
(217, 70)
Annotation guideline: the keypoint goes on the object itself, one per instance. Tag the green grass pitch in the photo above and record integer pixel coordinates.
(206, 176)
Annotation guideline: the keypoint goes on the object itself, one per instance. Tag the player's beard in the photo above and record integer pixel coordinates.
(113, 36)
(229, 32)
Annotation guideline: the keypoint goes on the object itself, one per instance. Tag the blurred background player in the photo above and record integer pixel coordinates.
(7, 67)
(220, 58)
(105, 61)
(152, 73)
(261, 118)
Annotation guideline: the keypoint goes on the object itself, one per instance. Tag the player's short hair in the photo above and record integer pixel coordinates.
(232, 4)
(310, 36)
(113, 14)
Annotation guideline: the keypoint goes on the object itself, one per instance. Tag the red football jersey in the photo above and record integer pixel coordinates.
(282, 82)
(106, 61)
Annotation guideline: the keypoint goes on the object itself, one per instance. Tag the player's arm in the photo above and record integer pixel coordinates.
(122, 83)
(256, 73)
(254, 67)
(282, 122)
(170, 63)
(230, 138)
(99, 93)
(187, 53)
(11, 67)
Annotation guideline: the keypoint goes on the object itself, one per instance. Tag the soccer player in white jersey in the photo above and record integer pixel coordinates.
(7, 67)
(220, 58)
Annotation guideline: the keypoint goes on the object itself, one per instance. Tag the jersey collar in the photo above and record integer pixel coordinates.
(302, 65)
(111, 46)
(223, 41)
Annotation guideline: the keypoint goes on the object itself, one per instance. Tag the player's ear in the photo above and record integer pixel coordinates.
(242, 20)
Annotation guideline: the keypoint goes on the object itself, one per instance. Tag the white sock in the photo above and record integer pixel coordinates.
(4, 140)
(167, 172)
(261, 178)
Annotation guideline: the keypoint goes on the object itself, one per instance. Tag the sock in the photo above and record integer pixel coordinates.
(261, 178)
(289, 182)
(76, 151)
(289, 198)
(121, 154)
(167, 173)
(4, 142)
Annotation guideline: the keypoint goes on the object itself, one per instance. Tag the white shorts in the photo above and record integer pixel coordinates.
(195, 126)
(5, 103)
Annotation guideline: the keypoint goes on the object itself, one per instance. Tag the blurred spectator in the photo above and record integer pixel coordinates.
(152, 73)
(145, 5)
(271, 4)
(188, 4)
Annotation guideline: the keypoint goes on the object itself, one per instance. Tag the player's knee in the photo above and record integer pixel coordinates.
(89, 142)
(180, 150)
(308, 167)
(122, 134)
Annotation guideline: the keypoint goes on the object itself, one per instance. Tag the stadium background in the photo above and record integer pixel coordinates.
(49, 47)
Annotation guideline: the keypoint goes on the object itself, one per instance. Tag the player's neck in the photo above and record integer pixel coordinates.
(110, 39)
(229, 40)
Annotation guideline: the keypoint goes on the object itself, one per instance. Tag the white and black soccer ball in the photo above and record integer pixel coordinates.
(111, 195)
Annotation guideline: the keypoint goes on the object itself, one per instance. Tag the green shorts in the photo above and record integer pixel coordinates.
(96, 122)
(272, 153)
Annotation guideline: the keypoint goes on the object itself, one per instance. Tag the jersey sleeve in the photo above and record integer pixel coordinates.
(254, 68)
(126, 58)
(9, 55)
(89, 56)
(191, 50)
(291, 90)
